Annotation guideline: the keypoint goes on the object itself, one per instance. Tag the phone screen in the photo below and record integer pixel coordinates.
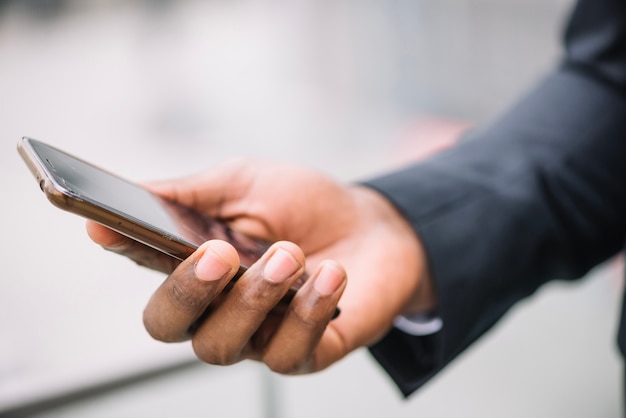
(83, 181)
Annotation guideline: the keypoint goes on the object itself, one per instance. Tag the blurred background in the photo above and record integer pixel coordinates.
(159, 88)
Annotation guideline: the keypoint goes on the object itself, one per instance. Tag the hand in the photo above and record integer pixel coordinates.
(339, 231)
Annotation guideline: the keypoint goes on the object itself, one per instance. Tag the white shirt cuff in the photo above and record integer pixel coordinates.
(418, 324)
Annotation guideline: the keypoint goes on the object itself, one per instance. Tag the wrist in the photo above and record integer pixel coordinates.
(381, 211)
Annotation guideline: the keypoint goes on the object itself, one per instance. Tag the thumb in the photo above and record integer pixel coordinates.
(210, 192)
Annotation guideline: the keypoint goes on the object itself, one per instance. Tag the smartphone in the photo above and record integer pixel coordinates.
(84, 189)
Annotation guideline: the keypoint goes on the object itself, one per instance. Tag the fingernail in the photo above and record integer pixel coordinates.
(281, 266)
(328, 281)
(211, 267)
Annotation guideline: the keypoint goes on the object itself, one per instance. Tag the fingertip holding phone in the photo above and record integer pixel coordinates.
(79, 187)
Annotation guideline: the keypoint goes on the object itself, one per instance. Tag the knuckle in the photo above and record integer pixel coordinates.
(183, 298)
(158, 333)
(213, 353)
(159, 328)
(252, 306)
(281, 365)
(306, 321)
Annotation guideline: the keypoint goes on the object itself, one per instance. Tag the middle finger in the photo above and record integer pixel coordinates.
(227, 331)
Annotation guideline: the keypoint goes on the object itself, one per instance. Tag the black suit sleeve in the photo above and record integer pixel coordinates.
(538, 195)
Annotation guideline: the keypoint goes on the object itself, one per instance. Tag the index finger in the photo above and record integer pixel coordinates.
(187, 292)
